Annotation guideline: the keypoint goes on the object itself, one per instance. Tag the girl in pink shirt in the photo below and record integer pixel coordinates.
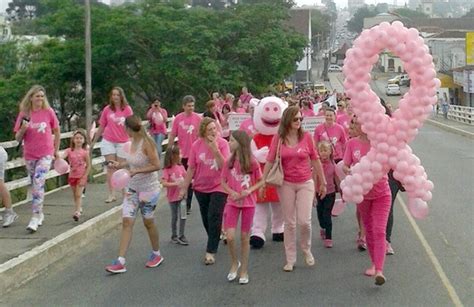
(206, 160)
(241, 177)
(375, 207)
(324, 205)
(34, 127)
(306, 107)
(333, 133)
(158, 117)
(79, 160)
(237, 106)
(112, 127)
(301, 168)
(173, 178)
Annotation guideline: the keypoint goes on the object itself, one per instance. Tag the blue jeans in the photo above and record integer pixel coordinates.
(158, 140)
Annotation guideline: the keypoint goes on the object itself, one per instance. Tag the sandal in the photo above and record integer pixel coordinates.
(288, 267)
(209, 259)
(110, 199)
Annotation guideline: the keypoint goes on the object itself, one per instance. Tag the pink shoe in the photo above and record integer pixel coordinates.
(328, 243)
(154, 260)
(322, 234)
(370, 271)
(116, 267)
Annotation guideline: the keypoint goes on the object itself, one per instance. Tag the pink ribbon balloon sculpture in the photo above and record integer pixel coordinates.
(389, 136)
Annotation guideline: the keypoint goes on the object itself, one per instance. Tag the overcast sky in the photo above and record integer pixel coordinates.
(339, 3)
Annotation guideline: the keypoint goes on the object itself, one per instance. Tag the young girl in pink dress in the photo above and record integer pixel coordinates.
(78, 156)
(241, 177)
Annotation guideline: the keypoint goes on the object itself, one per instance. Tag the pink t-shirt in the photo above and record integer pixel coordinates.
(38, 138)
(186, 128)
(344, 120)
(240, 110)
(78, 161)
(176, 173)
(355, 150)
(307, 112)
(296, 161)
(335, 134)
(248, 127)
(245, 99)
(157, 120)
(114, 124)
(207, 174)
(329, 170)
(239, 182)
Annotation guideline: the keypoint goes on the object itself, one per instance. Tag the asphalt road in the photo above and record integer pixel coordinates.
(432, 266)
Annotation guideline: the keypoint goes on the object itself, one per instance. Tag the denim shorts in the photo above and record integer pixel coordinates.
(3, 161)
(144, 201)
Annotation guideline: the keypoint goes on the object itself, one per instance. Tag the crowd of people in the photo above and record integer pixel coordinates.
(218, 167)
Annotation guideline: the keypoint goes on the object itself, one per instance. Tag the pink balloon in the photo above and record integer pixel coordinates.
(120, 179)
(418, 208)
(338, 208)
(339, 172)
(126, 147)
(61, 166)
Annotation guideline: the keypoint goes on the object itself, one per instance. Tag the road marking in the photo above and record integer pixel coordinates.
(444, 279)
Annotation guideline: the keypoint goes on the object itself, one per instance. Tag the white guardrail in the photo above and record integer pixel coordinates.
(461, 114)
(20, 162)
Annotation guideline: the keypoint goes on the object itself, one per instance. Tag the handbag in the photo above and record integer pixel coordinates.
(275, 175)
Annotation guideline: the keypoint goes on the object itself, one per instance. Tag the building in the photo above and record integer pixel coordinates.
(379, 18)
(300, 21)
(353, 5)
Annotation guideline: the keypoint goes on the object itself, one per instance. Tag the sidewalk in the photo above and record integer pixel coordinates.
(24, 255)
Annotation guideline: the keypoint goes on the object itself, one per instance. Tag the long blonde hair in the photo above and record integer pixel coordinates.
(134, 123)
(26, 104)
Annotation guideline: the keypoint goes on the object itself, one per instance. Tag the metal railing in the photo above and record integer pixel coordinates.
(461, 114)
(23, 182)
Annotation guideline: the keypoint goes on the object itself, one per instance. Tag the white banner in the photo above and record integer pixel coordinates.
(236, 119)
(309, 123)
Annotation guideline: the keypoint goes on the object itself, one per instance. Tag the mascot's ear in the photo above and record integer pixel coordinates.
(254, 102)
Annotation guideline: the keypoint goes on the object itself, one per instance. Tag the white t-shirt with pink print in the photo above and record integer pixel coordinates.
(38, 138)
(207, 174)
(114, 124)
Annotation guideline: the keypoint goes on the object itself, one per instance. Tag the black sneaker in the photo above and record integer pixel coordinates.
(174, 240)
(183, 241)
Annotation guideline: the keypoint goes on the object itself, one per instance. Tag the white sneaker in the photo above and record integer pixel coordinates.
(40, 219)
(33, 225)
(10, 217)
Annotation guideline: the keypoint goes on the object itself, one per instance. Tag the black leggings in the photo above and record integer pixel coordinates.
(212, 208)
(394, 190)
(189, 199)
(324, 208)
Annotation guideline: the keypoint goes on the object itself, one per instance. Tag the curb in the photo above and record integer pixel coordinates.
(451, 129)
(19, 270)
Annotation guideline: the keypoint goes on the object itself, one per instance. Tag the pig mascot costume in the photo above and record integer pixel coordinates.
(266, 119)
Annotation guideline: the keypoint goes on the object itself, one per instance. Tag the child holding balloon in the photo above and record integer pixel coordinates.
(241, 177)
(325, 205)
(143, 191)
(375, 207)
(173, 177)
(78, 156)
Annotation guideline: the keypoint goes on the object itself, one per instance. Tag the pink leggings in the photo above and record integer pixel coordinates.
(231, 217)
(374, 214)
(297, 203)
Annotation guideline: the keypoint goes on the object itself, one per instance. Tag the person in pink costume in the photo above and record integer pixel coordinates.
(267, 116)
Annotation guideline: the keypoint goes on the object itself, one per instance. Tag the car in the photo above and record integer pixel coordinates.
(320, 88)
(334, 67)
(393, 89)
(400, 80)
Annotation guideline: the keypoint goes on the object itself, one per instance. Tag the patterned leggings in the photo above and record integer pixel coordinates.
(37, 170)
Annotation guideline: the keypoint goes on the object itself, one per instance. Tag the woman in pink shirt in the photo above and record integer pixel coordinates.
(301, 169)
(333, 133)
(306, 107)
(343, 116)
(237, 106)
(112, 128)
(374, 209)
(206, 160)
(158, 117)
(35, 125)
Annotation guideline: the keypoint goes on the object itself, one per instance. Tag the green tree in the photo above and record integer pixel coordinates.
(320, 28)
(405, 12)
(356, 23)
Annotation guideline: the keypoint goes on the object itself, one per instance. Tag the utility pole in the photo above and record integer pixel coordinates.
(88, 65)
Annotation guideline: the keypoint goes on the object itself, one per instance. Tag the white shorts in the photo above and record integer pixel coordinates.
(110, 148)
(3, 161)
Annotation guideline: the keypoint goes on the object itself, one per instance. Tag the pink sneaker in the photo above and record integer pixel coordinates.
(322, 234)
(154, 261)
(116, 267)
(370, 271)
(328, 243)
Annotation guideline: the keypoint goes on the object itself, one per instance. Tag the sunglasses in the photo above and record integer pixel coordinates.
(297, 119)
